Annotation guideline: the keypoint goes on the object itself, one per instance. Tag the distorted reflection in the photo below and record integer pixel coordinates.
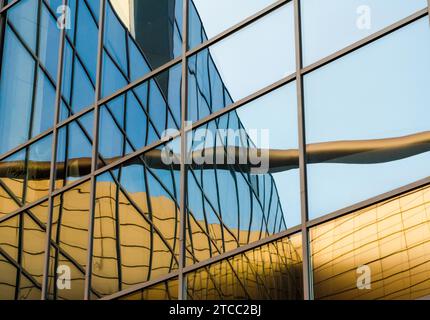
(136, 225)
(392, 239)
(163, 291)
(272, 271)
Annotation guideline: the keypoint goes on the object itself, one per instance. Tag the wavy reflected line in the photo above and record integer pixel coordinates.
(371, 151)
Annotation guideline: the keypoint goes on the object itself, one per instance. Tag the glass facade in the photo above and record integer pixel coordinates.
(199, 149)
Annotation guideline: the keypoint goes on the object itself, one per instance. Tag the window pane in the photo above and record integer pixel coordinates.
(16, 91)
(137, 218)
(74, 150)
(209, 18)
(369, 135)
(70, 236)
(270, 272)
(163, 291)
(243, 177)
(141, 116)
(331, 25)
(386, 246)
(223, 74)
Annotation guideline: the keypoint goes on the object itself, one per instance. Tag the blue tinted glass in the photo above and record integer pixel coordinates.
(16, 90)
(87, 39)
(49, 38)
(74, 151)
(23, 16)
(67, 72)
(113, 79)
(111, 139)
(55, 4)
(115, 38)
(38, 171)
(209, 18)
(95, 7)
(83, 90)
(368, 135)
(349, 21)
(44, 108)
(140, 66)
(266, 61)
(246, 199)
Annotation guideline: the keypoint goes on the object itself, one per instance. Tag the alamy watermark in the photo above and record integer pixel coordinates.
(223, 147)
(364, 279)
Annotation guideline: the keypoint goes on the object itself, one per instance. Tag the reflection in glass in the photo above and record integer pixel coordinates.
(74, 150)
(208, 18)
(80, 57)
(389, 241)
(152, 29)
(16, 91)
(369, 135)
(331, 25)
(141, 116)
(236, 196)
(24, 176)
(69, 241)
(136, 224)
(22, 244)
(272, 271)
(223, 74)
(163, 291)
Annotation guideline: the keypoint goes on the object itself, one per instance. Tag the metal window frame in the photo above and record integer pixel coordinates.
(297, 76)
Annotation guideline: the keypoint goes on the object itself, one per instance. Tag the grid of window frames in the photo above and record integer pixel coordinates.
(87, 113)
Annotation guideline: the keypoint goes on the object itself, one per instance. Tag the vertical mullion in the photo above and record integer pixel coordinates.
(3, 30)
(94, 159)
(302, 153)
(428, 8)
(52, 178)
(183, 182)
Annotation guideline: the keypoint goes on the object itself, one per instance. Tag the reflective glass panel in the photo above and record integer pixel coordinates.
(136, 236)
(242, 64)
(69, 242)
(243, 177)
(208, 18)
(381, 252)
(74, 150)
(331, 25)
(163, 291)
(141, 116)
(370, 134)
(270, 272)
(152, 26)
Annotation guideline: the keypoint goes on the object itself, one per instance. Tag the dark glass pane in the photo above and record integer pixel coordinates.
(369, 135)
(378, 253)
(270, 272)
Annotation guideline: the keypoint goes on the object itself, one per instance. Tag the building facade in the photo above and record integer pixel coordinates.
(199, 149)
